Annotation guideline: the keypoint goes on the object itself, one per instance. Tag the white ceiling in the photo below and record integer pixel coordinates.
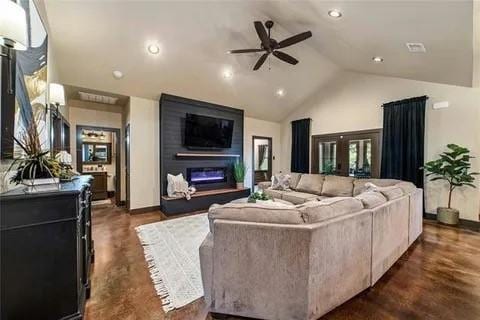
(93, 38)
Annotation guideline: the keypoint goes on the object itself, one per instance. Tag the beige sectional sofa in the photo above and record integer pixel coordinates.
(277, 261)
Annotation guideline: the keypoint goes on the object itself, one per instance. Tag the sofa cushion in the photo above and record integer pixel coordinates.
(371, 199)
(281, 181)
(335, 186)
(294, 179)
(298, 197)
(391, 193)
(266, 212)
(316, 211)
(310, 183)
(276, 194)
(359, 184)
(406, 186)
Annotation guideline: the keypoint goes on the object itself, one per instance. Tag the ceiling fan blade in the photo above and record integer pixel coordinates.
(262, 34)
(285, 57)
(246, 50)
(295, 39)
(260, 61)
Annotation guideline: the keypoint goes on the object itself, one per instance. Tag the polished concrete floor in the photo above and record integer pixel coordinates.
(437, 278)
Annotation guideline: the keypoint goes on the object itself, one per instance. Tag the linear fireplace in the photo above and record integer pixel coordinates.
(206, 175)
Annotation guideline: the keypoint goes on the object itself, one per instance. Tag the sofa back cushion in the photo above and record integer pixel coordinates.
(294, 179)
(310, 183)
(267, 212)
(359, 184)
(316, 211)
(371, 199)
(336, 186)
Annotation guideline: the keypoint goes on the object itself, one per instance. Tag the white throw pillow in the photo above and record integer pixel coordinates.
(177, 186)
(281, 182)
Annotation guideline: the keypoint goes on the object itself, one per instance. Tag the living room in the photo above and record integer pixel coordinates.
(214, 160)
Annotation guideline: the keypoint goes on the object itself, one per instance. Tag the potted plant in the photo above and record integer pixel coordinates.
(239, 174)
(34, 166)
(258, 196)
(453, 166)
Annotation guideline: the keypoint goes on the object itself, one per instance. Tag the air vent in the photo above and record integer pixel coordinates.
(97, 98)
(416, 47)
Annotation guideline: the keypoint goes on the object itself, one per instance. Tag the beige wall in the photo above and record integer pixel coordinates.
(256, 127)
(352, 102)
(143, 117)
(82, 113)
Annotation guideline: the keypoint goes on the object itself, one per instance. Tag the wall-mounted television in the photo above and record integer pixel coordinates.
(204, 132)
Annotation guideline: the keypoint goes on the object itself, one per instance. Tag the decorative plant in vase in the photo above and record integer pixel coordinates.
(258, 196)
(64, 159)
(453, 166)
(34, 166)
(239, 173)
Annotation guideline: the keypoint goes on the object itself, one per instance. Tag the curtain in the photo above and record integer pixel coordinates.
(403, 140)
(300, 160)
(262, 152)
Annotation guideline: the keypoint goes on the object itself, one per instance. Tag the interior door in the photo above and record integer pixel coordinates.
(261, 159)
(127, 166)
(354, 154)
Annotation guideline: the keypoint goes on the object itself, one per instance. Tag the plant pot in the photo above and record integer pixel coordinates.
(240, 185)
(41, 185)
(447, 216)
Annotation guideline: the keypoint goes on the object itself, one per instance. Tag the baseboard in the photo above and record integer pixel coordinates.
(144, 210)
(463, 223)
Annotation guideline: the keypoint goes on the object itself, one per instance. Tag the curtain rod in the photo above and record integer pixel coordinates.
(405, 100)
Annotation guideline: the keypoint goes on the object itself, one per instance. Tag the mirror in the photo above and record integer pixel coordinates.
(96, 153)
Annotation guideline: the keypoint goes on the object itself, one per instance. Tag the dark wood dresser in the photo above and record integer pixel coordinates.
(46, 252)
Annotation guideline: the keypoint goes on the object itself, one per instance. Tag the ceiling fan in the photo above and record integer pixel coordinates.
(270, 45)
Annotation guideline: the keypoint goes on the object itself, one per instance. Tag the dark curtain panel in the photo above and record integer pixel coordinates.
(300, 146)
(262, 152)
(403, 140)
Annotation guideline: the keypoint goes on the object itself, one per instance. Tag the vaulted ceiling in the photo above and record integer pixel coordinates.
(91, 39)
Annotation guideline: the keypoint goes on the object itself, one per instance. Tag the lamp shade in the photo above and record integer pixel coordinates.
(56, 94)
(13, 25)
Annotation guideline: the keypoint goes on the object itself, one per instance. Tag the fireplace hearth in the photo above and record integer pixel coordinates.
(202, 175)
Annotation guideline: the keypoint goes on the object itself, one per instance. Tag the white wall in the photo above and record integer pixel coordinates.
(97, 118)
(143, 116)
(352, 102)
(256, 127)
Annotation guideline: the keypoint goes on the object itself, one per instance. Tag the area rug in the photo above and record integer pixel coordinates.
(171, 250)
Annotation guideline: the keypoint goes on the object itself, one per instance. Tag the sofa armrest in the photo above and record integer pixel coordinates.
(264, 185)
(206, 265)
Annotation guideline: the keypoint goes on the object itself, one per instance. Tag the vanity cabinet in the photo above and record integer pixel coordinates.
(99, 185)
(46, 252)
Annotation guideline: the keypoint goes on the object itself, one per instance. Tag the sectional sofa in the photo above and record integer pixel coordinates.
(277, 261)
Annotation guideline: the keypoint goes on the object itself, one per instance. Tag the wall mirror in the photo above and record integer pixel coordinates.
(96, 153)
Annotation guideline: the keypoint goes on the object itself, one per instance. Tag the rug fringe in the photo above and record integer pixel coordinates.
(159, 285)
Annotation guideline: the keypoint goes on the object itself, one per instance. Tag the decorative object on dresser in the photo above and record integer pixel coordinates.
(66, 170)
(46, 252)
(34, 166)
(239, 173)
(453, 166)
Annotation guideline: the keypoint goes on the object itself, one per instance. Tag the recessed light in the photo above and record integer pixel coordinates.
(280, 92)
(117, 74)
(227, 73)
(153, 49)
(334, 13)
(377, 59)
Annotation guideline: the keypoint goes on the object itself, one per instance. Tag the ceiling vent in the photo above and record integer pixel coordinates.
(416, 47)
(97, 98)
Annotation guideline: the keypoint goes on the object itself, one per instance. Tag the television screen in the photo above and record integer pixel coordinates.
(207, 132)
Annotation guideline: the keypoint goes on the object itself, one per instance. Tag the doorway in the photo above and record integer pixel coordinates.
(354, 154)
(127, 166)
(261, 159)
(98, 154)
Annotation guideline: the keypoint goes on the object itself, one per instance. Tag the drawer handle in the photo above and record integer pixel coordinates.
(87, 223)
(84, 237)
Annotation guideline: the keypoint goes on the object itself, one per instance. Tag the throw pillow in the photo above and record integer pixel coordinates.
(281, 182)
(177, 186)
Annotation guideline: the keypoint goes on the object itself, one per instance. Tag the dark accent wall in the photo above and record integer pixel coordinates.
(172, 126)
